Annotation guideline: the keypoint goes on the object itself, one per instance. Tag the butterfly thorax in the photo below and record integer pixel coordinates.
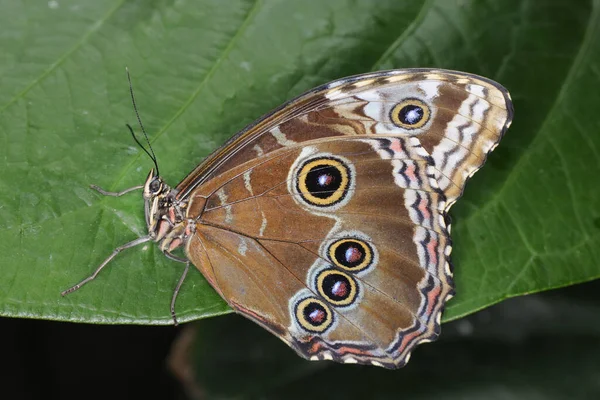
(165, 215)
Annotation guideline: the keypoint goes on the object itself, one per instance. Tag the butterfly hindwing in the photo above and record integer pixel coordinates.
(275, 242)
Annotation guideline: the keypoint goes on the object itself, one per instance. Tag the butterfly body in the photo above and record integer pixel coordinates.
(325, 220)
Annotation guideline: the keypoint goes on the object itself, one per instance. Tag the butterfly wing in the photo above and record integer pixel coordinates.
(325, 221)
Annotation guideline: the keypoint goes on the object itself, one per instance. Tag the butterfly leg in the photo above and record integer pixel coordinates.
(116, 251)
(179, 284)
(115, 194)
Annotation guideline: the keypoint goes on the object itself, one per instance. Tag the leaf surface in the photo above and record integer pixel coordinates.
(202, 70)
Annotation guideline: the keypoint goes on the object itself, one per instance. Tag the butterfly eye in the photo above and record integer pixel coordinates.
(410, 114)
(313, 315)
(353, 255)
(323, 181)
(337, 287)
(155, 186)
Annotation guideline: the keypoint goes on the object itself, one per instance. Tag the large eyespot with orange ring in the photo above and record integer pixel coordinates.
(313, 315)
(324, 181)
(351, 254)
(337, 287)
(410, 114)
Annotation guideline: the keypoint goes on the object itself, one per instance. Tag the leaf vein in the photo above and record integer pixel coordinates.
(95, 27)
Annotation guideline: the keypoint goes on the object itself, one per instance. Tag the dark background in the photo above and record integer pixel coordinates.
(540, 346)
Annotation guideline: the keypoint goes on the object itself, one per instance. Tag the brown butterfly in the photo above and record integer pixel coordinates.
(325, 221)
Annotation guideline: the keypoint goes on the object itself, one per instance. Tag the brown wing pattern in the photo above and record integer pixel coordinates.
(468, 115)
(270, 247)
(325, 221)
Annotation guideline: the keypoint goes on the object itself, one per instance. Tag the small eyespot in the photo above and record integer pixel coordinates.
(313, 315)
(410, 114)
(155, 186)
(338, 288)
(323, 181)
(352, 254)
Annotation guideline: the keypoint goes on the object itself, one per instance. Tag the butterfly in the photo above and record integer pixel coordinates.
(326, 220)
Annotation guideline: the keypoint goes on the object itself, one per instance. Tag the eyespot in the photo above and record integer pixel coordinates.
(410, 114)
(313, 315)
(323, 181)
(351, 254)
(337, 287)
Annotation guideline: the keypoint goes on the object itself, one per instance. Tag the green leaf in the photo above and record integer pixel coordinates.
(202, 70)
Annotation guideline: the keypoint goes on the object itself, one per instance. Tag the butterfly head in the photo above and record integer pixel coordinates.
(154, 186)
(158, 202)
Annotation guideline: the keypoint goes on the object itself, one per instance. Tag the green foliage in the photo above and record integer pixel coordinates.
(529, 220)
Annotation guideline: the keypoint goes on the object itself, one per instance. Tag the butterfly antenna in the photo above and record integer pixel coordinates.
(137, 114)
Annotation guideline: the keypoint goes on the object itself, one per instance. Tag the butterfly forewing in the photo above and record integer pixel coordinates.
(466, 116)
